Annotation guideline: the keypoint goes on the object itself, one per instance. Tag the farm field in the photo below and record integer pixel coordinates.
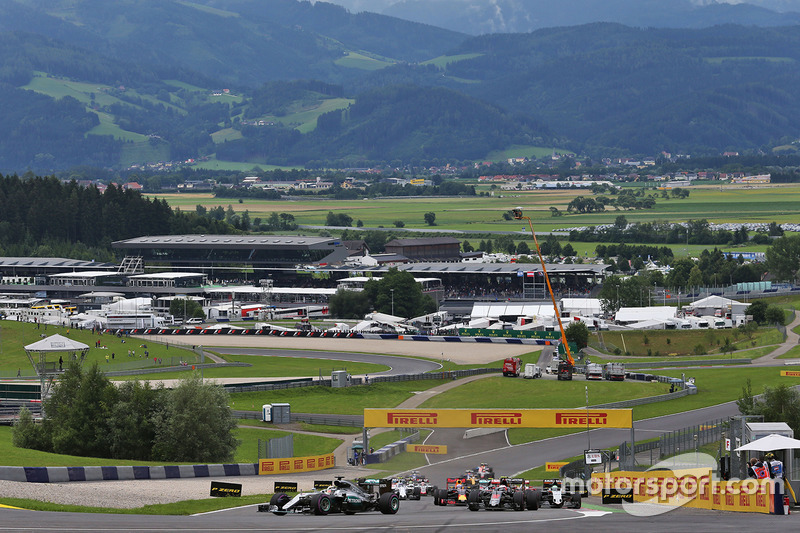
(780, 203)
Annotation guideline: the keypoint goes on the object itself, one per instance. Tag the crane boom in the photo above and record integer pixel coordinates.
(517, 212)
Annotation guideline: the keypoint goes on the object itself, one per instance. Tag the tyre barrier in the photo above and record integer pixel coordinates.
(322, 334)
(61, 474)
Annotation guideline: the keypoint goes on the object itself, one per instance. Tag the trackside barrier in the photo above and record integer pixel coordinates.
(691, 488)
(356, 421)
(292, 465)
(308, 382)
(381, 455)
(60, 474)
(192, 332)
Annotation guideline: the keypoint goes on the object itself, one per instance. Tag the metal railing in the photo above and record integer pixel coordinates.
(276, 448)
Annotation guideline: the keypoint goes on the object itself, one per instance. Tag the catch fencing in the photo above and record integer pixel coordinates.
(276, 448)
(308, 382)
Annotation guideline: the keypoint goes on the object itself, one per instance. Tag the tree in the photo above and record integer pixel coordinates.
(523, 249)
(568, 250)
(195, 423)
(399, 290)
(774, 315)
(578, 333)
(466, 246)
(621, 222)
(78, 413)
(783, 257)
(186, 307)
(131, 422)
(759, 311)
(399, 224)
(349, 304)
(776, 404)
(430, 218)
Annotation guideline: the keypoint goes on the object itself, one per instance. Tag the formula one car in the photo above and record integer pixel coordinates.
(412, 487)
(503, 493)
(483, 471)
(554, 494)
(454, 493)
(341, 497)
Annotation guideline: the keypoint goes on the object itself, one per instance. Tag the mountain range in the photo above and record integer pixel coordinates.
(476, 17)
(130, 82)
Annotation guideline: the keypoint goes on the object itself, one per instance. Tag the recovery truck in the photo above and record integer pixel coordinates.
(594, 371)
(614, 371)
(567, 365)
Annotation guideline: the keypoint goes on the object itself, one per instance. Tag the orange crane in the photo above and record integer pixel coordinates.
(565, 366)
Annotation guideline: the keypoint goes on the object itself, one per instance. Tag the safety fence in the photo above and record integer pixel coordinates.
(276, 448)
(311, 418)
(308, 382)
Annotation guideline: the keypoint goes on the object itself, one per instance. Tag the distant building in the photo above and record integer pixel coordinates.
(432, 249)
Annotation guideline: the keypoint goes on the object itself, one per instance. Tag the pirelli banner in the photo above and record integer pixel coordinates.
(790, 373)
(291, 465)
(498, 418)
(427, 448)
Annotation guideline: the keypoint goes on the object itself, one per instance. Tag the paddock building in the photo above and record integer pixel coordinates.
(296, 269)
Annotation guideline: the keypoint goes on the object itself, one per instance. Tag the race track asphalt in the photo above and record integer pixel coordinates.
(412, 516)
(397, 365)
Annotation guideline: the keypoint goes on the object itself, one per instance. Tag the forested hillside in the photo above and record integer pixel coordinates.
(130, 83)
(44, 217)
(235, 42)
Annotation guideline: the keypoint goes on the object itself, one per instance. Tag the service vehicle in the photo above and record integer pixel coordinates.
(594, 371)
(532, 371)
(555, 495)
(341, 497)
(499, 494)
(566, 366)
(512, 366)
(614, 371)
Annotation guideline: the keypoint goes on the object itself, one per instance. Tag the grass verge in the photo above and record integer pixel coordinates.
(344, 401)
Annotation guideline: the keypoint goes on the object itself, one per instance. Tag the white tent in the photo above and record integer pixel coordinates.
(626, 315)
(771, 442)
(54, 343)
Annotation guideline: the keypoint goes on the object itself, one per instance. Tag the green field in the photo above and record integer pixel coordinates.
(247, 452)
(479, 214)
(443, 61)
(345, 401)
(304, 119)
(361, 62)
(516, 150)
(668, 343)
(275, 367)
(15, 335)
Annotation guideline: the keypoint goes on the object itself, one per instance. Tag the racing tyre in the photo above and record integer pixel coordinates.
(435, 494)
(320, 504)
(279, 499)
(416, 494)
(389, 503)
(473, 500)
(532, 500)
(576, 500)
(519, 501)
(432, 492)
